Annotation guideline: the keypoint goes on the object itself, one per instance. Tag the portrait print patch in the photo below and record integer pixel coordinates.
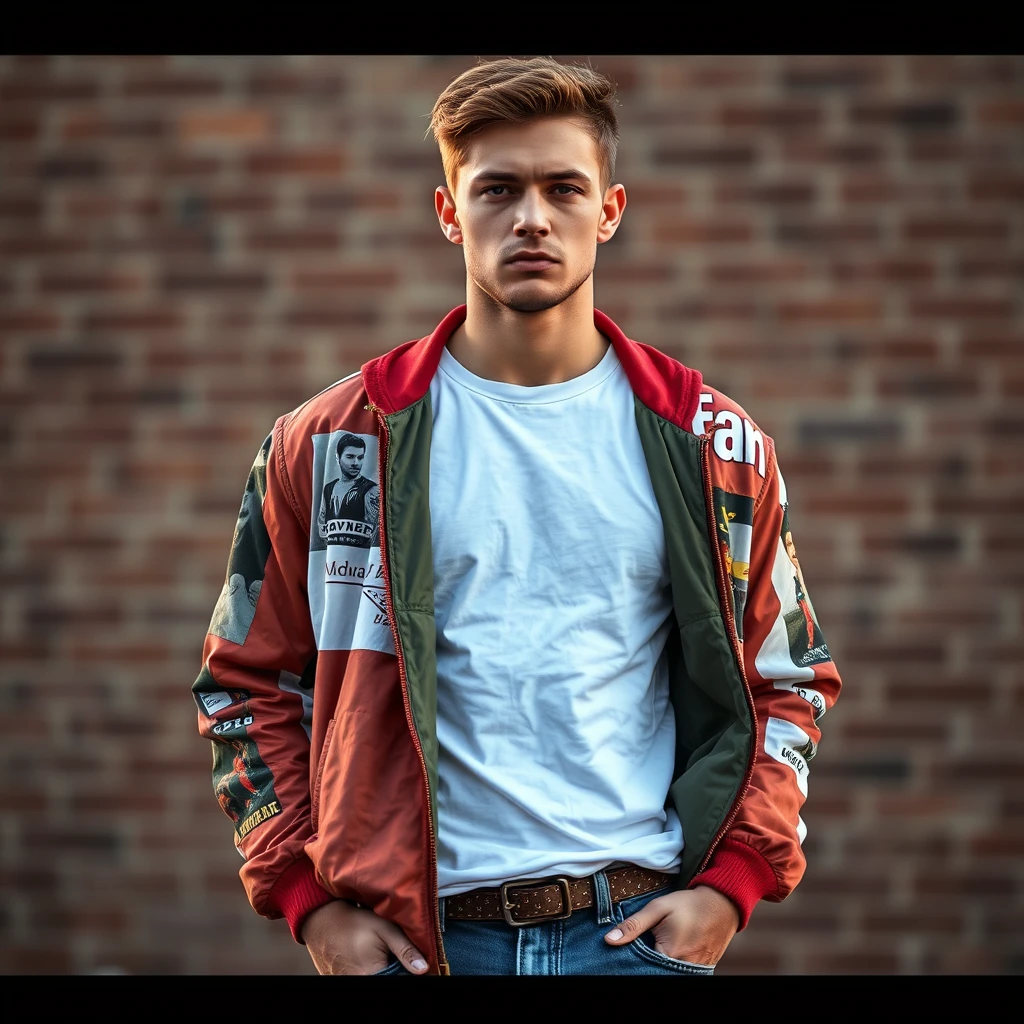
(346, 579)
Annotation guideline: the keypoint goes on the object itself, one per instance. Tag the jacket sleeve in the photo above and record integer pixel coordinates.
(254, 692)
(793, 682)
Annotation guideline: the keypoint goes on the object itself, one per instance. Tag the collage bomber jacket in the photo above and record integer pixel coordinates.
(318, 684)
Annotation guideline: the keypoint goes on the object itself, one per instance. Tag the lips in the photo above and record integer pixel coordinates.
(529, 260)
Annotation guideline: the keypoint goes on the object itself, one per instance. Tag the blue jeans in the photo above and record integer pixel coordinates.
(573, 946)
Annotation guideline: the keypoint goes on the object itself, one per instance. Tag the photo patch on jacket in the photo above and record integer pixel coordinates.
(347, 602)
(806, 644)
(734, 518)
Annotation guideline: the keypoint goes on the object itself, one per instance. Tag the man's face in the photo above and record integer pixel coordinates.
(351, 461)
(529, 211)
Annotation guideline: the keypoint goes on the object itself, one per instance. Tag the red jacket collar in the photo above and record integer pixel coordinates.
(402, 376)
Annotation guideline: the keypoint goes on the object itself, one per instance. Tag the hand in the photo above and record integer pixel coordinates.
(695, 925)
(345, 939)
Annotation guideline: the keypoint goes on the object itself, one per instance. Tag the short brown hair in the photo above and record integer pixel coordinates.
(514, 90)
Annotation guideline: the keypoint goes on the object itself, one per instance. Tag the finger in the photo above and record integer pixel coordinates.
(412, 959)
(633, 927)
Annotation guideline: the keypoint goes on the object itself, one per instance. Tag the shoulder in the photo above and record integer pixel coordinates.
(330, 409)
(740, 447)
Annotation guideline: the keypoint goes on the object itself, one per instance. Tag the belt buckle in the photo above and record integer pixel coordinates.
(506, 908)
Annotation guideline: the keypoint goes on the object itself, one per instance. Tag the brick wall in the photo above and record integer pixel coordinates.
(192, 246)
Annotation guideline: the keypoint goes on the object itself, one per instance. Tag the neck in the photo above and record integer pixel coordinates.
(530, 349)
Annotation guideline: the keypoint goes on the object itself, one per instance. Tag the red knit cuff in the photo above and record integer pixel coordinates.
(298, 893)
(741, 873)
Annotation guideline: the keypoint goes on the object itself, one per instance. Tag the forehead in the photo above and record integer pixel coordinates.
(532, 150)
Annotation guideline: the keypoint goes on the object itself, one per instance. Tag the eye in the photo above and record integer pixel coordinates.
(494, 190)
(567, 190)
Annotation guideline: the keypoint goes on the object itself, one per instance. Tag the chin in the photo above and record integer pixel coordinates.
(527, 300)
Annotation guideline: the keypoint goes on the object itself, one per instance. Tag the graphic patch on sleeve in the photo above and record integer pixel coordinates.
(789, 744)
(242, 782)
(736, 440)
(250, 548)
(218, 700)
(734, 517)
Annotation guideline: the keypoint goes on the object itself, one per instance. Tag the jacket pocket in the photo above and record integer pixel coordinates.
(314, 810)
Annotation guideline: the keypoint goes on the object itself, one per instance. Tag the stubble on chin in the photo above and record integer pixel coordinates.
(536, 303)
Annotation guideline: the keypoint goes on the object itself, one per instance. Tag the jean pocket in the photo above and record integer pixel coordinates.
(644, 948)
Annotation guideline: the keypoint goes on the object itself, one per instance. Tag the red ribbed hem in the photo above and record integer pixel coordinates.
(741, 873)
(298, 893)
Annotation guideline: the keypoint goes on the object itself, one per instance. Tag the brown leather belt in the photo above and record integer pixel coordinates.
(533, 900)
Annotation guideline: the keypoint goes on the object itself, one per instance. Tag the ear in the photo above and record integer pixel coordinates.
(444, 204)
(611, 212)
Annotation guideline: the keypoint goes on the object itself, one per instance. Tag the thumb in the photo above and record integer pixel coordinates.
(412, 959)
(633, 927)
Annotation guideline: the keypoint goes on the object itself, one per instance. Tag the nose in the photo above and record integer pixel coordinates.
(531, 216)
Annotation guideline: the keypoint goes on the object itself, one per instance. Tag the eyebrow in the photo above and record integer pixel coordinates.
(496, 175)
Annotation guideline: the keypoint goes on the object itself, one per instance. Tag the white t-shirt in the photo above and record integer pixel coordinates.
(553, 607)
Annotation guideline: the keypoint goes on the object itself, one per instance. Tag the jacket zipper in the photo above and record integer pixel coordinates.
(432, 876)
(730, 621)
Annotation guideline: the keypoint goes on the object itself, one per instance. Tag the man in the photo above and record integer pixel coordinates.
(537, 727)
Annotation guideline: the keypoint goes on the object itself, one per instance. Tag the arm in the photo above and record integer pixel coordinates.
(258, 660)
(792, 681)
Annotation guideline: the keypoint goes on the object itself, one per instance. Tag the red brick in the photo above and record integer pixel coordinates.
(950, 884)
(42, 88)
(877, 187)
(691, 231)
(843, 71)
(830, 310)
(965, 307)
(777, 115)
(931, 920)
(22, 321)
(928, 385)
(750, 271)
(809, 383)
(915, 114)
(895, 732)
(955, 229)
(884, 269)
(846, 152)
(719, 73)
(20, 128)
(295, 85)
(364, 198)
(960, 152)
(321, 161)
(99, 281)
(997, 113)
(171, 86)
(144, 319)
(232, 125)
(949, 70)
(990, 268)
(43, 244)
(99, 126)
(1003, 345)
(821, 231)
(908, 809)
(293, 240)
